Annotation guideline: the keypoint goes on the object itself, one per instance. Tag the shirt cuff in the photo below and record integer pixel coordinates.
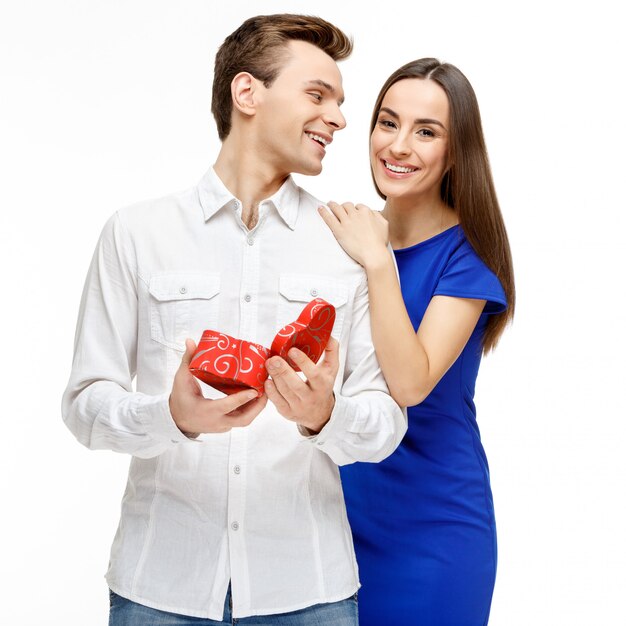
(154, 413)
(333, 428)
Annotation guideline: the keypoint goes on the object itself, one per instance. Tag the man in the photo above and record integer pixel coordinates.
(234, 507)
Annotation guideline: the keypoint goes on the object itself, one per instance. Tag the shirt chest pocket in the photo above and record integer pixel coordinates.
(297, 290)
(180, 303)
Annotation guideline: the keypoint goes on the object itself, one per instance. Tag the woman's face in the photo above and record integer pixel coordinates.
(409, 143)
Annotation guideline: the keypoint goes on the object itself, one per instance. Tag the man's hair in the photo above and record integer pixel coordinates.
(259, 46)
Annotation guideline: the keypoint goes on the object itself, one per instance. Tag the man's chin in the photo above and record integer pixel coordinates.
(310, 169)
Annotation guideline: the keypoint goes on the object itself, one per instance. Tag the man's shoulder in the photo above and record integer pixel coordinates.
(163, 204)
(324, 254)
(158, 209)
(307, 198)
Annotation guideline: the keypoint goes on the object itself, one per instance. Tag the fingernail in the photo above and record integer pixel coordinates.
(273, 366)
(293, 353)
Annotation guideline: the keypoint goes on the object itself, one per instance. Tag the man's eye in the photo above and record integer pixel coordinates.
(317, 96)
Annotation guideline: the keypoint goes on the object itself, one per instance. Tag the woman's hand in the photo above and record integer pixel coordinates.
(361, 232)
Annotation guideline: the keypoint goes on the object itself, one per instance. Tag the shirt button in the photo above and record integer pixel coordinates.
(247, 297)
(320, 443)
(183, 290)
(237, 469)
(250, 241)
(314, 293)
(235, 525)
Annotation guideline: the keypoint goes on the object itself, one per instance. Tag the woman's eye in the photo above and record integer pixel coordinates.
(425, 132)
(386, 123)
(317, 96)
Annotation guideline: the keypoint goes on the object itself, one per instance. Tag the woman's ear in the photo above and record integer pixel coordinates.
(243, 90)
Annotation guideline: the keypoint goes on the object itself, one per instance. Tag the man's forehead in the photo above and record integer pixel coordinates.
(307, 63)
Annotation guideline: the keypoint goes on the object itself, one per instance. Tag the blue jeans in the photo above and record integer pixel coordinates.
(127, 613)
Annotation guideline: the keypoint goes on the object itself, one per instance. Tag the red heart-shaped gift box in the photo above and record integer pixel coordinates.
(232, 365)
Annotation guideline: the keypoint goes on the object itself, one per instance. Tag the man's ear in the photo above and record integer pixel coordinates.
(243, 90)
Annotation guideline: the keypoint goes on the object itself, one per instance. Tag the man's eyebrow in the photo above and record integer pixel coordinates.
(419, 120)
(322, 83)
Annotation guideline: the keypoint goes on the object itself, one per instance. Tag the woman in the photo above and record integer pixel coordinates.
(423, 519)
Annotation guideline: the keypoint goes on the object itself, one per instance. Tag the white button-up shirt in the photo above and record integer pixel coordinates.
(260, 507)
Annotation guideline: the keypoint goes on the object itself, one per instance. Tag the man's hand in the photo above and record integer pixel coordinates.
(195, 414)
(307, 402)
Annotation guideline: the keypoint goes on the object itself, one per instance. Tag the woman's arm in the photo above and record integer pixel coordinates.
(413, 363)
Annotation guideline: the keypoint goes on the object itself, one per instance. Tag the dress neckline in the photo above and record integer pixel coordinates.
(430, 240)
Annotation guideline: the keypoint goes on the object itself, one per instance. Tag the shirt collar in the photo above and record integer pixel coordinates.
(214, 196)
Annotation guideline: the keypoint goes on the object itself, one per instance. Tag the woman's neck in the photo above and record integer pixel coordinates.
(414, 222)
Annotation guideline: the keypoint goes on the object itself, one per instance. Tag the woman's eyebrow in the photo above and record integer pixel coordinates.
(389, 112)
(419, 120)
(429, 120)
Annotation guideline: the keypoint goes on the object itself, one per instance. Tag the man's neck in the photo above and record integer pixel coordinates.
(248, 178)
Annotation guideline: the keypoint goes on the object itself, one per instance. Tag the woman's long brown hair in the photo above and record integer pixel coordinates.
(467, 186)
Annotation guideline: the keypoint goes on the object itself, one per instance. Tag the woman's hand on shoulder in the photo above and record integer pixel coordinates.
(361, 232)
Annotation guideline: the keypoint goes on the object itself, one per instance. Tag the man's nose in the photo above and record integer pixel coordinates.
(334, 118)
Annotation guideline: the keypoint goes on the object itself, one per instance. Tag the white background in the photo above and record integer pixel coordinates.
(105, 103)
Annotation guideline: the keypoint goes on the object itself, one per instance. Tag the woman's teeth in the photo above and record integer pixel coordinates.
(398, 169)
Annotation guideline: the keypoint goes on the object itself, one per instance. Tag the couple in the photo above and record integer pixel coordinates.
(234, 511)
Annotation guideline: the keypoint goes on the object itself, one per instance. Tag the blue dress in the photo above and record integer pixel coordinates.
(423, 519)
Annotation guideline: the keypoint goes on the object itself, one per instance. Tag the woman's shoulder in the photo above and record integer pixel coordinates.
(467, 275)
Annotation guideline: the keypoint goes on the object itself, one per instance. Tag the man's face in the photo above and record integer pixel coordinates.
(298, 115)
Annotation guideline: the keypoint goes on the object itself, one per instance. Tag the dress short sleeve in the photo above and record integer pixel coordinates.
(466, 276)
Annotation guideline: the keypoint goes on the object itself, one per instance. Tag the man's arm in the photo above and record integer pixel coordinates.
(359, 421)
(99, 404)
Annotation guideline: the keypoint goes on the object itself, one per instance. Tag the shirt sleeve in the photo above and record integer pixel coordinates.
(366, 424)
(99, 405)
(466, 276)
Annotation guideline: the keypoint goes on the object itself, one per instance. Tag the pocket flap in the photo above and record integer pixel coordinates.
(306, 287)
(184, 286)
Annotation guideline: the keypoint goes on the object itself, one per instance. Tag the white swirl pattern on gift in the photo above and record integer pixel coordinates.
(236, 358)
(231, 364)
(322, 314)
(254, 349)
(309, 338)
(290, 329)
